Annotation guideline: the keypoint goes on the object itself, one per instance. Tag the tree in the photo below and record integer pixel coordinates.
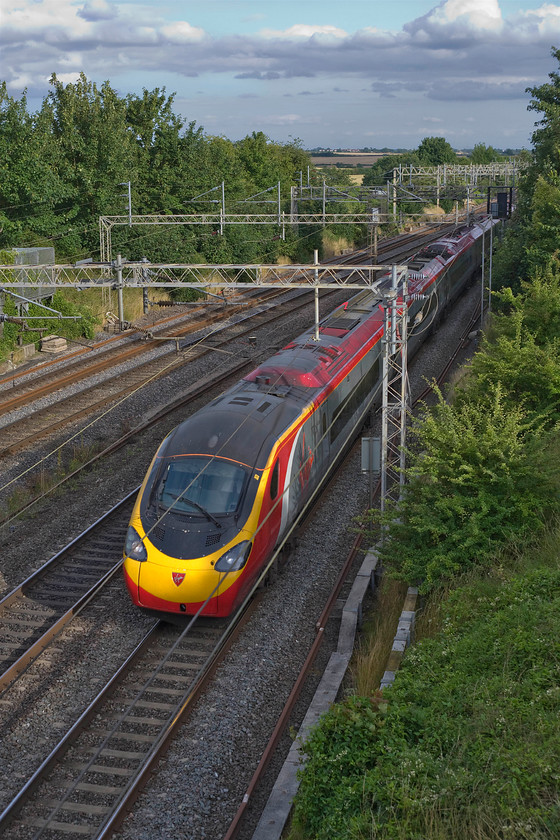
(475, 481)
(31, 189)
(434, 151)
(94, 153)
(168, 157)
(485, 154)
(382, 170)
(546, 138)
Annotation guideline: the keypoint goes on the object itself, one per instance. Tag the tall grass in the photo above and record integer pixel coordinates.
(368, 664)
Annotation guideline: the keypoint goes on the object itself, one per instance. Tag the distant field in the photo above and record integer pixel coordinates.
(350, 159)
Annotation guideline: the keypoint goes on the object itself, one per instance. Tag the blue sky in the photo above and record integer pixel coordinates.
(336, 74)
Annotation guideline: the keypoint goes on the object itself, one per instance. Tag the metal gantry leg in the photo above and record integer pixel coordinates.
(394, 393)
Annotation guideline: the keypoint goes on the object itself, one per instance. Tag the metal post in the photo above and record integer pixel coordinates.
(223, 209)
(404, 381)
(490, 270)
(316, 337)
(394, 385)
(279, 207)
(384, 423)
(324, 201)
(482, 284)
(118, 266)
(394, 196)
(393, 309)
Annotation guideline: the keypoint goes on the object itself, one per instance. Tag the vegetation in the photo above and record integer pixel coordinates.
(465, 744)
(70, 163)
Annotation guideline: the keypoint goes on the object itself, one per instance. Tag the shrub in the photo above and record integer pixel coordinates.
(465, 743)
(475, 482)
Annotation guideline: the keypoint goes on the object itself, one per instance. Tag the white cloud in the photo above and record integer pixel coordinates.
(283, 119)
(461, 51)
(300, 30)
(544, 22)
(182, 33)
(24, 18)
(477, 14)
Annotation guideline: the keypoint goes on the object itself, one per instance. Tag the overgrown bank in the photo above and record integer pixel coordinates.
(465, 744)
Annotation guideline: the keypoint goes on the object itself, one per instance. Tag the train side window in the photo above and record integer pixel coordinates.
(274, 480)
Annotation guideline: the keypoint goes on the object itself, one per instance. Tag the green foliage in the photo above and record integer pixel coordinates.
(522, 352)
(84, 326)
(527, 375)
(382, 170)
(338, 754)
(534, 235)
(185, 295)
(475, 481)
(434, 151)
(544, 223)
(465, 744)
(70, 163)
(546, 138)
(511, 262)
(485, 154)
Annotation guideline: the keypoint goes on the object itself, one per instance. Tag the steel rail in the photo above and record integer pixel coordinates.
(21, 591)
(162, 367)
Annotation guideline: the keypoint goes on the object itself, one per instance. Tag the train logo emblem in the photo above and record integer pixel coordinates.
(178, 578)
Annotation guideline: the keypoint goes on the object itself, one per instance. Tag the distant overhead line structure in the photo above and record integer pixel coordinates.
(459, 174)
(220, 220)
(430, 178)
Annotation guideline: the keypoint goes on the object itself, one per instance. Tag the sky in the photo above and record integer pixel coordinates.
(344, 74)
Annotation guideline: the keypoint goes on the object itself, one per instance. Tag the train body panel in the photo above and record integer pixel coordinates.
(227, 484)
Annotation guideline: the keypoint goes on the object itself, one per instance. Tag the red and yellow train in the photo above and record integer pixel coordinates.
(225, 487)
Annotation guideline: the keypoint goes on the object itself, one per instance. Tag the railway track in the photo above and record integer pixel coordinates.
(211, 336)
(46, 377)
(95, 359)
(105, 763)
(37, 610)
(85, 784)
(22, 432)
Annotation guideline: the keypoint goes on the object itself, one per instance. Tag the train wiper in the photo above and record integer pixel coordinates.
(202, 510)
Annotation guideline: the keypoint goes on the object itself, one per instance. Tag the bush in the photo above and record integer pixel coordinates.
(475, 482)
(465, 743)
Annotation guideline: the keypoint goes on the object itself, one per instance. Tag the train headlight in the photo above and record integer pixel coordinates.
(235, 558)
(134, 547)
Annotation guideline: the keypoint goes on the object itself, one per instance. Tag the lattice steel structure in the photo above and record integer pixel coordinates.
(458, 173)
(220, 220)
(121, 275)
(394, 390)
(203, 276)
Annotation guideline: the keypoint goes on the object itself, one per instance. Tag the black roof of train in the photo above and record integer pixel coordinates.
(243, 425)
